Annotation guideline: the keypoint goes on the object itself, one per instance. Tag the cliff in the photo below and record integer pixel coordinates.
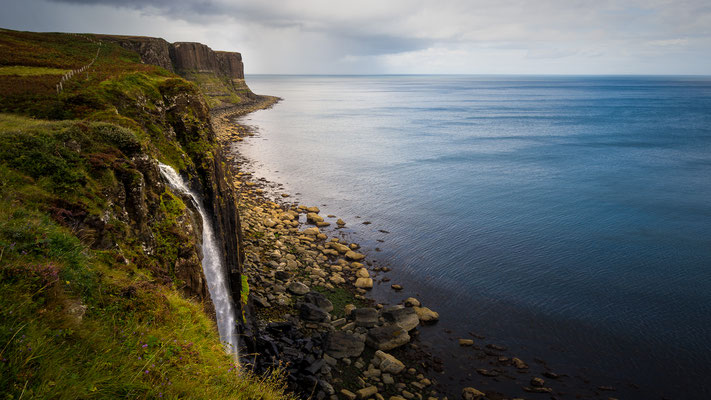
(102, 292)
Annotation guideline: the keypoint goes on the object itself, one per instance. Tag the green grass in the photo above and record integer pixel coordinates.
(21, 70)
(340, 297)
(85, 310)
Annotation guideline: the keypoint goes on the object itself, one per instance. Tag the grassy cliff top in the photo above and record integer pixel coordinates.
(85, 310)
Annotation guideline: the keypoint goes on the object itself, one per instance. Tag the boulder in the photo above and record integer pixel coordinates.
(297, 288)
(341, 248)
(426, 315)
(311, 312)
(342, 344)
(365, 317)
(352, 255)
(311, 231)
(367, 392)
(412, 302)
(319, 301)
(404, 317)
(388, 363)
(469, 393)
(387, 337)
(518, 363)
(364, 283)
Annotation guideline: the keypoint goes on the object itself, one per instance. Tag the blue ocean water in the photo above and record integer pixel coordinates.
(568, 218)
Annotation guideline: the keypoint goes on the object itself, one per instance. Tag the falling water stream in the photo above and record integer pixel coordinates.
(211, 266)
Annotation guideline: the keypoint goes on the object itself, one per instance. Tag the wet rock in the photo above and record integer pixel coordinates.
(365, 317)
(282, 275)
(404, 317)
(313, 313)
(311, 231)
(348, 309)
(319, 301)
(552, 375)
(496, 347)
(396, 286)
(343, 344)
(388, 363)
(486, 372)
(537, 389)
(412, 302)
(367, 392)
(298, 288)
(313, 218)
(313, 210)
(352, 255)
(469, 393)
(538, 382)
(466, 342)
(426, 315)
(364, 283)
(518, 363)
(387, 337)
(348, 394)
(340, 222)
(341, 248)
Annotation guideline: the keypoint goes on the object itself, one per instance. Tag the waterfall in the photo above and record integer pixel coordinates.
(211, 266)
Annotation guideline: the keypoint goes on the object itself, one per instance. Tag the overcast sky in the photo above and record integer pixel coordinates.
(407, 36)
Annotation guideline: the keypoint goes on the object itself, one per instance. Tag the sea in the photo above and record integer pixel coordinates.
(564, 218)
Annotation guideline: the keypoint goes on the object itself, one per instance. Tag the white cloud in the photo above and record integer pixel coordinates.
(408, 36)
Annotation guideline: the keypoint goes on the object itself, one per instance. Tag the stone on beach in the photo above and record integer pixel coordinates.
(311, 312)
(387, 363)
(365, 317)
(313, 218)
(387, 337)
(352, 255)
(298, 288)
(412, 302)
(319, 301)
(340, 222)
(469, 393)
(363, 273)
(404, 317)
(311, 231)
(364, 283)
(426, 315)
(466, 342)
(343, 344)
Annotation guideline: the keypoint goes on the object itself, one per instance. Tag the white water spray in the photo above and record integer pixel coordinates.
(211, 266)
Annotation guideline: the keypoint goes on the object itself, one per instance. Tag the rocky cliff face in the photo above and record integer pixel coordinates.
(183, 56)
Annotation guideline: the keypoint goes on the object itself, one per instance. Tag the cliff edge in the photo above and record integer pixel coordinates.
(218, 74)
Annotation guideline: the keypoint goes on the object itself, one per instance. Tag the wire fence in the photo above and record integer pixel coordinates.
(70, 74)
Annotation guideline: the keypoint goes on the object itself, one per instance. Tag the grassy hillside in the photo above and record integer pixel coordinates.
(94, 295)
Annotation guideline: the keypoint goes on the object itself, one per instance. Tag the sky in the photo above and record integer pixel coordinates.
(406, 36)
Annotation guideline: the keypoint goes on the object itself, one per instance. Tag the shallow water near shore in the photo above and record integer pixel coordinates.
(566, 218)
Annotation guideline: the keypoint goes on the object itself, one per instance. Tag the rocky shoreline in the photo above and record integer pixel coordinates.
(312, 317)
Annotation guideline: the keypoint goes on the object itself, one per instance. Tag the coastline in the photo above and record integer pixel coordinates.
(269, 230)
(291, 255)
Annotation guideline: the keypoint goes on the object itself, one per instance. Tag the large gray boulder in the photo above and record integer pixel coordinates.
(387, 337)
(404, 317)
(365, 317)
(319, 301)
(343, 344)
